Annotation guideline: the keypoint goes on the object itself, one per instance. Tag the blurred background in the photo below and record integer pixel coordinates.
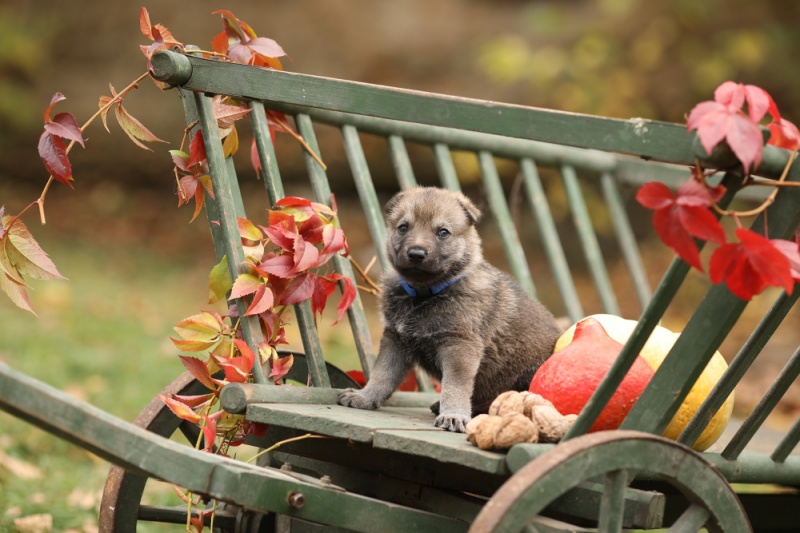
(136, 266)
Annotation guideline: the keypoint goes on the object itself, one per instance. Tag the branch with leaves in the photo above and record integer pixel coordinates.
(753, 262)
(286, 261)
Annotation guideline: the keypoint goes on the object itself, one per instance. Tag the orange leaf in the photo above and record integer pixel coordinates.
(180, 409)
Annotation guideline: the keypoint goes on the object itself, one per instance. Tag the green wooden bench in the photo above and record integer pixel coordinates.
(390, 469)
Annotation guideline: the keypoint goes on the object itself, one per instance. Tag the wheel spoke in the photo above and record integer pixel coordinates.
(691, 520)
(612, 505)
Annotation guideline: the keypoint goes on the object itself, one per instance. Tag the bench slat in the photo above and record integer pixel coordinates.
(588, 239)
(502, 216)
(401, 162)
(626, 239)
(404, 429)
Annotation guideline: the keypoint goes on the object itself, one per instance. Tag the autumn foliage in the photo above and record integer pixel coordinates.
(752, 262)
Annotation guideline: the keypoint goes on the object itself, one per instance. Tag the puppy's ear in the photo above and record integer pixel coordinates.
(473, 213)
(392, 203)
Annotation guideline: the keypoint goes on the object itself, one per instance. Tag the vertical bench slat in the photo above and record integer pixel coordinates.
(401, 162)
(355, 314)
(591, 248)
(739, 365)
(764, 408)
(788, 443)
(269, 173)
(552, 244)
(502, 216)
(445, 167)
(366, 192)
(626, 239)
(223, 179)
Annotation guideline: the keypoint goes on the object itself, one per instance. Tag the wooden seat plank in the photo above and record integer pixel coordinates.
(401, 429)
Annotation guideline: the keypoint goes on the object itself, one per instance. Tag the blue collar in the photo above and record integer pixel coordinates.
(415, 292)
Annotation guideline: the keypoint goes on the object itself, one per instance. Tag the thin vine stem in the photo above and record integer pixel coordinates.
(115, 100)
(286, 441)
(777, 184)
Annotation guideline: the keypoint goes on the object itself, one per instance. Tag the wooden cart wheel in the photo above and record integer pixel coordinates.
(616, 457)
(121, 507)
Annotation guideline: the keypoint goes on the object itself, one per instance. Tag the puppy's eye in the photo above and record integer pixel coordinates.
(402, 229)
(443, 233)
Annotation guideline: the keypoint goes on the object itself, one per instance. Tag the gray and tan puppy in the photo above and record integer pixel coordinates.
(447, 310)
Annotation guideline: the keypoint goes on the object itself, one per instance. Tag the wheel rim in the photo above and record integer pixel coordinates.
(617, 456)
(120, 506)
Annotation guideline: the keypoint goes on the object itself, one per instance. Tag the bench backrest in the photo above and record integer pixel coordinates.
(583, 150)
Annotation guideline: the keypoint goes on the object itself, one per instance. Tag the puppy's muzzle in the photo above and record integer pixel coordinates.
(416, 254)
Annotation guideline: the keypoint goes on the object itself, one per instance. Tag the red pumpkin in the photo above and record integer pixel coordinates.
(570, 376)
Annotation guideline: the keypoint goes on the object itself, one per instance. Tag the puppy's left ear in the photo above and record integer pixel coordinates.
(473, 213)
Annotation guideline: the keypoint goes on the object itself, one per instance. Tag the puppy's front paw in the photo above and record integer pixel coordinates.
(356, 398)
(452, 422)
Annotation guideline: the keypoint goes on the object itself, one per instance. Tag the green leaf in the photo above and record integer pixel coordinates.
(219, 281)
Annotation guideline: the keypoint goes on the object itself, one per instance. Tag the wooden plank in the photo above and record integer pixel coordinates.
(343, 422)
(402, 429)
(442, 446)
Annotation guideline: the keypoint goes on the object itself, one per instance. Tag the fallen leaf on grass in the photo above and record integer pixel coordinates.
(35, 523)
(19, 468)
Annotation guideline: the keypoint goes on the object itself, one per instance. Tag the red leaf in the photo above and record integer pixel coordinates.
(279, 265)
(305, 254)
(262, 301)
(724, 119)
(349, 294)
(791, 250)
(199, 370)
(53, 152)
(323, 288)
(745, 139)
(759, 102)
(195, 401)
(282, 230)
(674, 235)
(333, 240)
(750, 266)
(677, 220)
(226, 114)
(245, 284)
(197, 149)
(730, 94)
(655, 195)
(180, 409)
(209, 429)
(219, 43)
(255, 160)
(144, 23)
(784, 134)
(280, 367)
(65, 126)
(58, 97)
(299, 290)
(312, 229)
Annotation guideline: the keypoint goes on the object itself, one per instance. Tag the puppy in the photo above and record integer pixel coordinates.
(448, 311)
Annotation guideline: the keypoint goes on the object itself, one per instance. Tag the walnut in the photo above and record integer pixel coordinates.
(508, 402)
(501, 432)
(552, 424)
(531, 400)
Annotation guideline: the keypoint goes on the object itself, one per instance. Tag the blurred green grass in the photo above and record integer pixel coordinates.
(102, 336)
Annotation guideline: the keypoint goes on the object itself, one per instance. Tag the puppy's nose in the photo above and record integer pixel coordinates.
(417, 254)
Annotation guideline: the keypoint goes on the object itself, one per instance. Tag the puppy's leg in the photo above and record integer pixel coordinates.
(460, 362)
(389, 371)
